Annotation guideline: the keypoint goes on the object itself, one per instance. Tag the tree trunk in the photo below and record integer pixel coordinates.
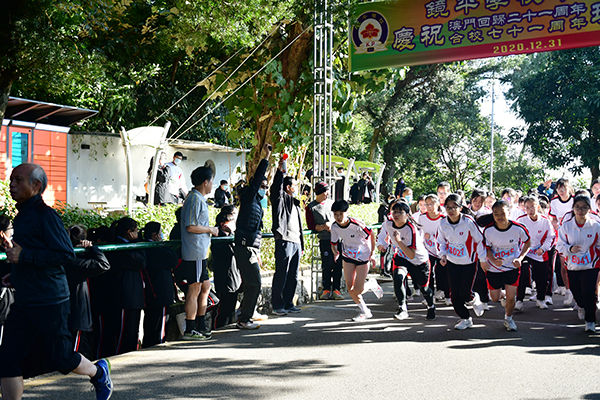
(4, 94)
(595, 172)
(292, 62)
(374, 142)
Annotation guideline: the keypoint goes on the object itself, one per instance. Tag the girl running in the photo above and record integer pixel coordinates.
(479, 209)
(460, 242)
(595, 189)
(538, 262)
(429, 223)
(357, 245)
(410, 257)
(507, 244)
(579, 241)
(560, 204)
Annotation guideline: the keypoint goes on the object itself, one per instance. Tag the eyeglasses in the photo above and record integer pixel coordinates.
(451, 208)
(398, 212)
(584, 208)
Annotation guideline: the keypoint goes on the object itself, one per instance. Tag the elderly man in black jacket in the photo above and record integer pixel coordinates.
(38, 252)
(289, 243)
(248, 236)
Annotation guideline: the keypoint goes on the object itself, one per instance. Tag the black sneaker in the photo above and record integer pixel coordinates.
(431, 313)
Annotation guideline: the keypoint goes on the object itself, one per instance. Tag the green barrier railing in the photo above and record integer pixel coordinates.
(173, 243)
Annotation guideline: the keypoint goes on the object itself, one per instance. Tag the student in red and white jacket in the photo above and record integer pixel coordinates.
(507, 245)
(410, 257)
(579, 242)
(536, 262)
(460, 242)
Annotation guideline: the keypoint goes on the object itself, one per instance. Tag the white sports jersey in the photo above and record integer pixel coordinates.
(429, 225)
(592, 214)
(409, 235)
(515, 213)
(505, 244)
(559, 208)
(461, 242)
(354, 238)
(542, 235)
(586, 236)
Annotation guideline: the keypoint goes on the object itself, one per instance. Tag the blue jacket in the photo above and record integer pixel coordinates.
(39, 277)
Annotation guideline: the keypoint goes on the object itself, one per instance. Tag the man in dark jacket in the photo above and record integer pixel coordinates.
(38, 252)
(289, 243)
(222, 195)
(247, 240)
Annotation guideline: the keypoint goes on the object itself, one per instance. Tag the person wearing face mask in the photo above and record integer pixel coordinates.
(289, 241)
(248, 238)
(222, 195)
(159, 291)
(177, 186)
(161, 188)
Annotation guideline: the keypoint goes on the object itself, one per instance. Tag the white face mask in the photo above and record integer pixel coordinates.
(261, 193)
(177, 161)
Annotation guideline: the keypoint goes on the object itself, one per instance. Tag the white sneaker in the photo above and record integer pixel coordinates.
(439, 295)
(541, 305)
(362, 317)
(568, 301)
(486, 306)
(259, 317)
(376, 288)
(528, 291)
(477, 305)
(401, 314)
(590, 327)
(560, 291)
(519, 305)
(503, 302)
(464, 324)
(448, 301)
(548, 300)
(510, 324)
(417, 292)
(581, 313)
(410, 298)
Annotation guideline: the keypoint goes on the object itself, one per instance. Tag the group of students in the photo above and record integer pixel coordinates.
(483, 250)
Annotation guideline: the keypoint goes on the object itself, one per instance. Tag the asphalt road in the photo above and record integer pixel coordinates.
(319, 353)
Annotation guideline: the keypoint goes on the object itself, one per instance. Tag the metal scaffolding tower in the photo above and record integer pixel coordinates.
(322, 116)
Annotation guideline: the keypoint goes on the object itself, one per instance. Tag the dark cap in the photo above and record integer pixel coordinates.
(321, 187)
(178, 154)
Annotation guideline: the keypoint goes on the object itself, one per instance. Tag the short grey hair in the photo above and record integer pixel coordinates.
(37, 173)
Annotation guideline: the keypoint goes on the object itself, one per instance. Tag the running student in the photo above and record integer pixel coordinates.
(479, 209)
(560, 204)
(429, 223)
(357, 244)
(578, 240)
(537, 263)
(410, 257)
(460, 242)
(507, 244)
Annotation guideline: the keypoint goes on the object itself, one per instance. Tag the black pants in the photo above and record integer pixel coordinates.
(539, 273)
(121, 331)
(461, 278)
(155, 326)
(285, 279)
(583, 286)
(552, 256)
(480, 286)
(557, 268)
(224, 314)
(246, 259)
(332, 270)
(441, 278)
(524, 280)
(419, 275)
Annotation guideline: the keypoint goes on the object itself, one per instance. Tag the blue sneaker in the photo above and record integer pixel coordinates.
(104, 386)
(293, 309)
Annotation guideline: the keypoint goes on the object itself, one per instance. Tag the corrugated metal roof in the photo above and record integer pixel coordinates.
(46, 113)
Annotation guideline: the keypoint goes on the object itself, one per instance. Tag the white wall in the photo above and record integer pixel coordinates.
(99, 174)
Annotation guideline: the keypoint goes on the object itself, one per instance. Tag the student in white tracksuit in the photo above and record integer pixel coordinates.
(410, 257)
(460, 244)
(579, 242)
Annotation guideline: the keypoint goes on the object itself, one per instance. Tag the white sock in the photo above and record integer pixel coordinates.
(506, 317)
(363, 307)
